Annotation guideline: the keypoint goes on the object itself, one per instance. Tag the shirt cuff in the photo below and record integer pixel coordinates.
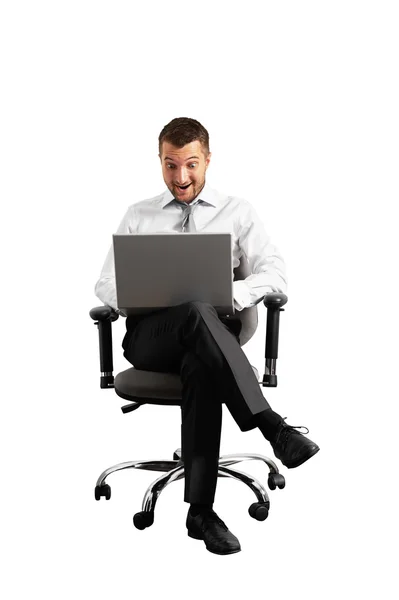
(241, 294)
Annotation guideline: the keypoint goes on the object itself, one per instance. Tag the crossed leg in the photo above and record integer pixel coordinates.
(191, 340)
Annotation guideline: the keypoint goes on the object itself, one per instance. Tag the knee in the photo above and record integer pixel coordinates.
(196, 311)
(200, 307)
(194, 318)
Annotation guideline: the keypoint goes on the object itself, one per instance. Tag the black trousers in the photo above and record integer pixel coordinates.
(191, 340)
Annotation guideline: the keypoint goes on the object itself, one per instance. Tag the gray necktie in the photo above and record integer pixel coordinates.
(188, 225)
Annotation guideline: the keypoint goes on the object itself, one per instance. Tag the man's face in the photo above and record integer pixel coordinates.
(184, 166)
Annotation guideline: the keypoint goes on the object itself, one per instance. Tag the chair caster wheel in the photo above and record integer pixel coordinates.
(276, 480)
(102, 490)
(143, 519)
(259, 511)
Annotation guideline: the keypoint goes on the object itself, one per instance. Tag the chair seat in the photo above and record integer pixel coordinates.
(151, 386)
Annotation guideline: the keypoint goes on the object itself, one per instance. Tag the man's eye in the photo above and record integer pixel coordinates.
(169, 165)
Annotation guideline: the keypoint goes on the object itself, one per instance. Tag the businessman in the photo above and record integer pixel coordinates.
(190, 339)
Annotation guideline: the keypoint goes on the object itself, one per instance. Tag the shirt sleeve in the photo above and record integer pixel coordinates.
(268, 270)
(105, 288)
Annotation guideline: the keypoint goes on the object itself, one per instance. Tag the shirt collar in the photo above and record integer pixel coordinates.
(207, 194)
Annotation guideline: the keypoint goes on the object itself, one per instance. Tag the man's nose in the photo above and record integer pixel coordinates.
(181, 176)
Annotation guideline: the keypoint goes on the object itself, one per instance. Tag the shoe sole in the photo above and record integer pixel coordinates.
(304, 458)
(196, 536)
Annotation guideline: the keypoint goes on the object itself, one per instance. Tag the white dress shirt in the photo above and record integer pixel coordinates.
(216, 213)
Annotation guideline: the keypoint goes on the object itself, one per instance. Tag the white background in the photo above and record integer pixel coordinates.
(301, 103)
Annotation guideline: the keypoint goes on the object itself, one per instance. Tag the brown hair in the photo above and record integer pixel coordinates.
(182, 131)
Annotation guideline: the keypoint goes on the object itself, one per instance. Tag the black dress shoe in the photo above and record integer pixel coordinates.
(208, 527)
(292, 447)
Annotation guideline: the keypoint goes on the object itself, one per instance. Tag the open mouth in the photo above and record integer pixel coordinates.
(183, 187)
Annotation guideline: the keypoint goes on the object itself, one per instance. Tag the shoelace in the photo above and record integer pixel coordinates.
(296, 426)
(287, 429)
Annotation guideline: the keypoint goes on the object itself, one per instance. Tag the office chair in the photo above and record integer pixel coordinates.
(149, 387)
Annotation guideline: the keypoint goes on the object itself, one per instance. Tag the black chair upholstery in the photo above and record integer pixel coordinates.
(148, 387)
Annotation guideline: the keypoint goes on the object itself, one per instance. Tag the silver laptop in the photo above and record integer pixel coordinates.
(157, 270)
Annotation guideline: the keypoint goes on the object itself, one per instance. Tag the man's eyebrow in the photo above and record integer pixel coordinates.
(167, 158)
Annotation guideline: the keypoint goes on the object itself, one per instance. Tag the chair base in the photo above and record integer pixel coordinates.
(174, 470)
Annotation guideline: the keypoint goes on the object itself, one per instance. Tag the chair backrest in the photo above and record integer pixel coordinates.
(248, 316)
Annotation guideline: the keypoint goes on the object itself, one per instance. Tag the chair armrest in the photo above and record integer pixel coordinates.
(102, 313)
(273, 303)
(104, 317)
(275, 300)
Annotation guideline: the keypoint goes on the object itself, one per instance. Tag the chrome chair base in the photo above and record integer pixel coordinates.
(174, 470)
